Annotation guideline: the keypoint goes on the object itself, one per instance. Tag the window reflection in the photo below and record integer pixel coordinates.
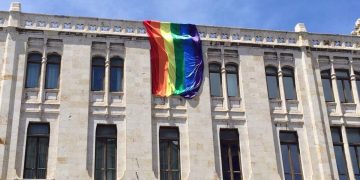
(272, 82)
(344, 86)
(169, 148)
(33, 70)
(339, 152)
(215, 79)
(290, 155)
(116, 74)
(327, 86)
(52, 71)
(97, 74)
(232, 80)
(230, 154)
(289, 83)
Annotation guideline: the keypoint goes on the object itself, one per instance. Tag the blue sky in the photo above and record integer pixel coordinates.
(320, 16)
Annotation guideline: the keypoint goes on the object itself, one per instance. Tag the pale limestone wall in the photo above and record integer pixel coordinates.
(73, 111)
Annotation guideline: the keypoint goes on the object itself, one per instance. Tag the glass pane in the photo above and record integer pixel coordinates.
(343, 177)
(38, 129)
(115, 79)
(225, 158)
(357, 177)
(41, 174)
(347, 91)
(163, 175)
(341, 90)
(295, 157)
(285, 158)
(106, 131)
(111, 175)
(42, 152)
(335, 134)
(328, 92)
(289, 87)
(214, 68)
(111, 154)
(353, 135)
(32, 75)
(168, 133)
(358, 87)
(53, 58)
(231, 69)
(215, 84)
(99, 175)
(342, 74)
(272, 87)
(271, 71)
(99, 154)
(288, 136)
(229, 134)
(174, 148)
(232, 85)
(226, 175)
(237, 176)
(297, 177)
(30, 158)
(235, 157)
(175, 176)
(288, 177)
(354, 160)
(97, 78)
(29, 174)
(52, 76)
(35, 57)
(163, 155)
(340, 160)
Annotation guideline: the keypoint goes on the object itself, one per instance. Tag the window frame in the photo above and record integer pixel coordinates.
(59, 68)
(121, 67)
(220, 74)
(92, 71)
(168, 141)
(292, 76)
(228, 144)
(37, 136)
(237, 78)
(277, 81)
(27, 68)
(288, 143)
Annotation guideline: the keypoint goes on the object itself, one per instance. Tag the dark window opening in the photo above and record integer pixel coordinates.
(232, 80)
(36, 153)
(97, 74)
(52, 71)
(272, 82)
(33, 70)
(105, 152)
(289, 83)
(290, 155)
(353, 136)
(339, 152)
(327, 86)
(215, 80)
(116, 74)
(344, 86)
(169, 146)
(230, 154)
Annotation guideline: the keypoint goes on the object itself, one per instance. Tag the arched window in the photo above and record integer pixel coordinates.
(116, 74)
(344, 86)
(289, 83)
(97, 74)
(327, 86)
(272, 82)
(52, 71)
(232, 80)
(215, 79)
(33, 70)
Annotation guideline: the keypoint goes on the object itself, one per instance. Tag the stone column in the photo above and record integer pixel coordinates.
(74, 109)
(317, 127)
(281, 85)
(258, 120)
(138, 111)
(224, 82)
(335, 87)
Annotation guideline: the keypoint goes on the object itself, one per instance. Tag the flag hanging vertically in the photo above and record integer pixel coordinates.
(176, 59)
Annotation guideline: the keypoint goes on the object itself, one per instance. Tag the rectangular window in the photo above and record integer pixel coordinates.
(339, 152)
(290, 155)
(230, 154)
(105, 153)
(353, 136)
(169, 147)
(36, 153)
(344, 86)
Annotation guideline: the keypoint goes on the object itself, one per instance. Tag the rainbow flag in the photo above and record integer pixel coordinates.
(176, 59)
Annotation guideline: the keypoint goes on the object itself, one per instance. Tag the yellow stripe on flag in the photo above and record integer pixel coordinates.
(169, 47)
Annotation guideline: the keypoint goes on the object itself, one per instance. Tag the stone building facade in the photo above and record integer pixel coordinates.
(318, 120)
